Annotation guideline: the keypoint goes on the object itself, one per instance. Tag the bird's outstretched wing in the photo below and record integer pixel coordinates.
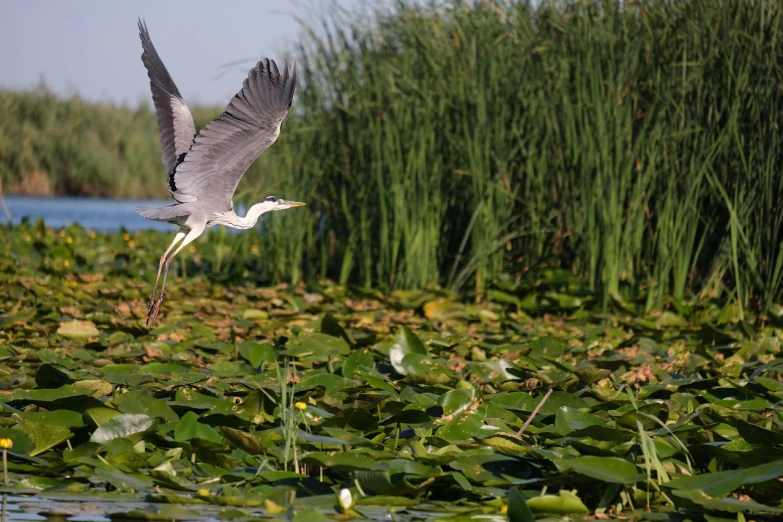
(176, 124)
(225, 148)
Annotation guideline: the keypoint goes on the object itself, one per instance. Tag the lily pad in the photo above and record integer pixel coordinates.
(78, 329)
(122, 426)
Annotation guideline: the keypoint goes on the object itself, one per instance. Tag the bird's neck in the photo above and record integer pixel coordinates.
(251, 218)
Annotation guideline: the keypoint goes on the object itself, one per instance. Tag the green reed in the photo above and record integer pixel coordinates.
(635, 143)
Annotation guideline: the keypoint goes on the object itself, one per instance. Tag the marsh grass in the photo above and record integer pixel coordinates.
(635, 144)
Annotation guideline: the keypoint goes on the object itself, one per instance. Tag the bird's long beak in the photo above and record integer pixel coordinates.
(293, 203)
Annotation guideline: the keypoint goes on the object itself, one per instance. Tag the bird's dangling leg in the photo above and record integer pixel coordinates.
(177, 239)
(152, 315)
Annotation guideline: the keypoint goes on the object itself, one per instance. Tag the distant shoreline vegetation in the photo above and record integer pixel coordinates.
(68, 146)
(635, 144)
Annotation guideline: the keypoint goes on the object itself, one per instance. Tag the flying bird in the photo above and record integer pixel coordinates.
(204, 168)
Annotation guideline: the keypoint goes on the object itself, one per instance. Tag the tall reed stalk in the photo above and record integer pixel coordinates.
(636, 144)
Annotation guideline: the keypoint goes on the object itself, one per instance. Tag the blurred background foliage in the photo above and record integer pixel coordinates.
(635, 144)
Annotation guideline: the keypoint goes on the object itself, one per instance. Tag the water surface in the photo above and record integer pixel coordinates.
(100, 214)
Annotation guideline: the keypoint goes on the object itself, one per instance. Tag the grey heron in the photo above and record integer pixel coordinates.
(204, 168)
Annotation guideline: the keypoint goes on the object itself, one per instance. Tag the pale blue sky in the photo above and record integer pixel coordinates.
(92, 46)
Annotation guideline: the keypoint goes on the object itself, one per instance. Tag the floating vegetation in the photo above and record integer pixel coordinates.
(313, 401)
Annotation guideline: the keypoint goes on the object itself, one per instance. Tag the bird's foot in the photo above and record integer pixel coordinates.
(152, 313)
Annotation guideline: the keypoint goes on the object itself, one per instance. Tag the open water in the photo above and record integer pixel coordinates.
(99, 214)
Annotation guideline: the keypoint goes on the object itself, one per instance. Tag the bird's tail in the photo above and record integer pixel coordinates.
(167, 214)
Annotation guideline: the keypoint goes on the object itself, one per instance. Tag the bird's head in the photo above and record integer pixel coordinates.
(268, 205)
(275, 203)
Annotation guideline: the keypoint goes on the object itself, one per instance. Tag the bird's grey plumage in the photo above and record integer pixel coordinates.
(177, 130)
(225, 148)
(205, 168)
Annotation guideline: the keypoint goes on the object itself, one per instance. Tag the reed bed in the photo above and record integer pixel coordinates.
(636, 144)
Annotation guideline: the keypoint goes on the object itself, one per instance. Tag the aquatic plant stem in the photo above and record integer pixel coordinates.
(533, 415)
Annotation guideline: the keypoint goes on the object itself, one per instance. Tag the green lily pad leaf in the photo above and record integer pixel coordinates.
(608, 469)
(755, 434)
(257, 354)
(195, 400)
(442, 309)
(357, 419)
(411, 468)
(61, 418)
(385, 500)
(548, 346)
(559, 399)
(564, 503)
(23, 443)
(763, 472)
(343, 461)
(378, 384)
(244, 440)
(591, 375)
(310, 515)
(526, 402)
(235, 500)
(461, 419)
(43, 436)
(95, 387)
(484, 467)
(176, 499)
(349, 440)
(189, 428)
(645, 415)
(123, 480)
(252, 313)
(63, 392)
(160, 369)
(164, 513)
(570, 419)
(410, 416)
(358, 361)
(518, 510)
(380, 482)
(122, 426)
(82, 451)
(457, 401)
(670, 319)
(728, 504)
(329, 381)
(515, 401)
(316, 346)
(462, 426)
(330, 326)
(138, 403)
(224, 369)
(565, 301)
(507, 443)
(78, 329)
(39, 483)
(99, 416)
(22, 317)
(60, 252)
(404, 343)
(496, 370)
(424, 367)
(717, 484)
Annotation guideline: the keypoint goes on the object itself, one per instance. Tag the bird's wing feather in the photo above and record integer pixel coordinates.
(225, 148)
(176, 124)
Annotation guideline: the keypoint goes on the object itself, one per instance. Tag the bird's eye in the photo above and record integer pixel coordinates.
(271, 199)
